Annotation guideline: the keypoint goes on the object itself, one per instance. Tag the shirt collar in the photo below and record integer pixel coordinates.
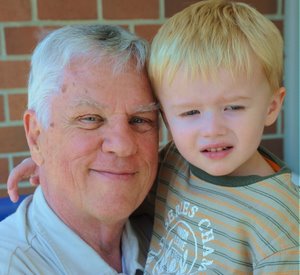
(72, 254)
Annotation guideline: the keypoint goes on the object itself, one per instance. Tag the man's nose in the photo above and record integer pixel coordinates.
(212, 125)
(120, 140)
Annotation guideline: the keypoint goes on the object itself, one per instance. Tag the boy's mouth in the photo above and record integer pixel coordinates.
(216, 149)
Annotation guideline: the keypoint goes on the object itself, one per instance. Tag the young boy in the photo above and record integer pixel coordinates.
(224, 205)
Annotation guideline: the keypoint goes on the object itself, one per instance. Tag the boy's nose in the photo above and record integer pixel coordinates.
(212, 125)
(120, 140)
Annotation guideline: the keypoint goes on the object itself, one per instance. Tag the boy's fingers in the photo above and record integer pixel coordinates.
(34, 180)
(13, 194)
(19, 173)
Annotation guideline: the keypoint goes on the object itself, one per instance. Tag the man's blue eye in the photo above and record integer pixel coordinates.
(90, 122)
(137, 120)
(142, 125)
(90, 119)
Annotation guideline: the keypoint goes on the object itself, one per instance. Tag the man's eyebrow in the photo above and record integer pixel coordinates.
(154, 106)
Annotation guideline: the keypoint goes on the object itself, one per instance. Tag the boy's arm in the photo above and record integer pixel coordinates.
(27, 169)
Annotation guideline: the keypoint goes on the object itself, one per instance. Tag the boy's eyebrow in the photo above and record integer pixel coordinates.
(223, 99)
(235, 98)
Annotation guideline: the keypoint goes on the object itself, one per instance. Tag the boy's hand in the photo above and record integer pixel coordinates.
(26, 169)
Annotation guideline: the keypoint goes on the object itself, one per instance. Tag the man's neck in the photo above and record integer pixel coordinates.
(107, 243)
(104, 237)
(106, 240)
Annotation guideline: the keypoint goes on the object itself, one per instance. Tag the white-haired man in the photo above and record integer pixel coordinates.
(91, 126)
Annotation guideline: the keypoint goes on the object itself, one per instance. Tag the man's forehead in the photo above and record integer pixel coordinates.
(140, 107)
(110, 65)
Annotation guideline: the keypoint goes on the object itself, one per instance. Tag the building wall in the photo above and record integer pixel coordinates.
(23, 23)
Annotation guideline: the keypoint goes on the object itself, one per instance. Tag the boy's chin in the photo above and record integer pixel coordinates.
(221, 171)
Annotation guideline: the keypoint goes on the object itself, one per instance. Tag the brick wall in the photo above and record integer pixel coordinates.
(22, 24)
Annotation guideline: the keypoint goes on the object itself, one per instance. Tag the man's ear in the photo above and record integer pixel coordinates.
(275, 106)
(33, 131)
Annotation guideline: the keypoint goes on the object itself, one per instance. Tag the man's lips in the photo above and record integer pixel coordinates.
(114, 174)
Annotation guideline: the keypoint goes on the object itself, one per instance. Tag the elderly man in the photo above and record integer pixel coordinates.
(91, 128)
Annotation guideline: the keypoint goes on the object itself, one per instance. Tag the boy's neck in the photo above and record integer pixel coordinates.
(258, 165)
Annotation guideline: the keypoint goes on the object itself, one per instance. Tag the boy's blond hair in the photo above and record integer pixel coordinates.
(216, 34)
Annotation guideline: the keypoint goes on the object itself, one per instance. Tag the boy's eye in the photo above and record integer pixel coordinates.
(233, 108)
(141, 124)
(190, 113)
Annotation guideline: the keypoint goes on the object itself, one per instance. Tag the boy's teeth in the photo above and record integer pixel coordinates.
(216, 149)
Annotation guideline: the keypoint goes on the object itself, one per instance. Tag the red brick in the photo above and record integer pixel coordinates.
(174, 6)
(13, 74)
(147, 31)
(2, 116)
(12, 139)
(3, 170)
(3, 193)
(130, 9)
(18, 160)
(275, 146)
(17, 105)
(15, 10)
(67, 9)
(271, 129)
(22, 40)
(279, 25)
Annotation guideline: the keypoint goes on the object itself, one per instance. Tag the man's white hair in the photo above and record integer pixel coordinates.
(93, 43)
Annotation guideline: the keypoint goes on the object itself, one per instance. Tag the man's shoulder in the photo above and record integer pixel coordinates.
(21, 258)
(13, 256)
(19, 246)
(14, 240)
(13, 226)
(13, 246)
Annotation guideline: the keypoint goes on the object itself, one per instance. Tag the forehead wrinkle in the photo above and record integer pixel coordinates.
(87, 102)
(143, 108)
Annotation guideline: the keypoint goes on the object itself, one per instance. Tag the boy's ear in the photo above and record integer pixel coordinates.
(32, 131)
(275, 106)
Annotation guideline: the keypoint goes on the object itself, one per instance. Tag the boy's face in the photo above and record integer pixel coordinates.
(217, 124)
